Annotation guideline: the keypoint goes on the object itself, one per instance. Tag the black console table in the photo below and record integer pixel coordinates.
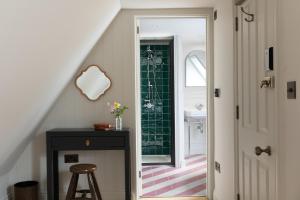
(83, 139)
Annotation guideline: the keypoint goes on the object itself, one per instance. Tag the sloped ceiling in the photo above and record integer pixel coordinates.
(150, 4)
(42, 45)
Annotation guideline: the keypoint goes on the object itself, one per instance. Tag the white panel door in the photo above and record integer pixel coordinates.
(257, 111)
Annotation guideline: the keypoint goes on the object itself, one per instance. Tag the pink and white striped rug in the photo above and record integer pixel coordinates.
(167, 181)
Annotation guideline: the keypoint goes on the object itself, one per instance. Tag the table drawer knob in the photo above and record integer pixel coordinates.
(87, 142)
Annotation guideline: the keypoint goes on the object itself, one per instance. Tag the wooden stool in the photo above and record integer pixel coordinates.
(87, 169)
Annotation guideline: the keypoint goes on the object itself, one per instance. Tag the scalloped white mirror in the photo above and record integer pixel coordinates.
(93, 82)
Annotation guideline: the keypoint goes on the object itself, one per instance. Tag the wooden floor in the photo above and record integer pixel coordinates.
(177, 198)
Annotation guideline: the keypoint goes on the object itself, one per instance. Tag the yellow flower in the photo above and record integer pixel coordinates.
(117, 105)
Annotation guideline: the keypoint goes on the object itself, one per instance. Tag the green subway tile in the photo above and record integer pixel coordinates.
(167, 137)
(144, 74)
(165, 74)
(166, 130)
(144, 82)
(144, 68)
(159, 74)
(165, 62)
(159, 137)
(166, 109)
(151, 116)
(151, 138)
(143, 47)
(165, 53)
(151, 123)
(159, 81)
(166, 81)
(144, 88)
(166, 88)
(166, 123)
(145, 123)
(166, 116)
(145, 137)
(166, 143)
(165, 95)
(166, 102)
(166, 151)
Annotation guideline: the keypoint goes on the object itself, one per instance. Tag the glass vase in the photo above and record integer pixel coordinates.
(119, 124)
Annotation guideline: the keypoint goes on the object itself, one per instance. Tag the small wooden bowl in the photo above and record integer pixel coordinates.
(101, 127)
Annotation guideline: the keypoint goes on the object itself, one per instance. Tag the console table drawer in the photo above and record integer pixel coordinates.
(88, 142)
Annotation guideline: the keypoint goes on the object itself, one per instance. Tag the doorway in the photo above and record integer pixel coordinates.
(173, 125)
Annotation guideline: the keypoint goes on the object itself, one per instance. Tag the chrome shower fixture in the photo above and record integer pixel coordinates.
(153, 97)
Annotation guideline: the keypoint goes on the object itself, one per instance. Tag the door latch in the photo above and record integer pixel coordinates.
(267, 82)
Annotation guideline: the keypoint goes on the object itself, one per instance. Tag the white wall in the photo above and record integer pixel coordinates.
(115, 54)
(194, 96)
(224, 106)
(288, 32)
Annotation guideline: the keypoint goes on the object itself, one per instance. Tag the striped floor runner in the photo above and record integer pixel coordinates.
(166, 181)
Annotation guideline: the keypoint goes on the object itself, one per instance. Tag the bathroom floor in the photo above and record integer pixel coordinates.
(167, 181)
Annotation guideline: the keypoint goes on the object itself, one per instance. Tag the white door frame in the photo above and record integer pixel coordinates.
(210, 99)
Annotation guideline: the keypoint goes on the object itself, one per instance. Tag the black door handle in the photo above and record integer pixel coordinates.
(259, 150)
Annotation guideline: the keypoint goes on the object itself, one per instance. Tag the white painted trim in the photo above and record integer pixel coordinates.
(138, 130)
(210, 107)
(210, 98)
(178, 104)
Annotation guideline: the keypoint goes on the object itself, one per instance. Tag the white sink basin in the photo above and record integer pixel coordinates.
(195, 113)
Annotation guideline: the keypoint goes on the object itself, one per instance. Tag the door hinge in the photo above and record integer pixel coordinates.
(215, 15)
(236, 24)
(238, 197)
(140, 174)
(237, 112)
(138, 30)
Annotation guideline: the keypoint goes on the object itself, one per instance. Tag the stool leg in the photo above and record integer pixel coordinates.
(96, 186)
(72, 187)
(92, 189)
(75, 188)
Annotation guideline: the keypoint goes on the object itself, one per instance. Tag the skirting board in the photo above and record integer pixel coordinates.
(43, 196)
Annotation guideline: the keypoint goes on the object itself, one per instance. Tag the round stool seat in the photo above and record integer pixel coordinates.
(83, 168)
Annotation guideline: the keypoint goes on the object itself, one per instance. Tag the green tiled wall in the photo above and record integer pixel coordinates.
(156, 121)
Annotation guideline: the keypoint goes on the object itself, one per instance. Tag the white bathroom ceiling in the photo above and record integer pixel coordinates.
(190, 30)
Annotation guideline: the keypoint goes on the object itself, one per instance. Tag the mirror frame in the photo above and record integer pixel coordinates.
(82, 72)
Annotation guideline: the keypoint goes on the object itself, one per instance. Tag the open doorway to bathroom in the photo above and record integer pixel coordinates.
(172, 120)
